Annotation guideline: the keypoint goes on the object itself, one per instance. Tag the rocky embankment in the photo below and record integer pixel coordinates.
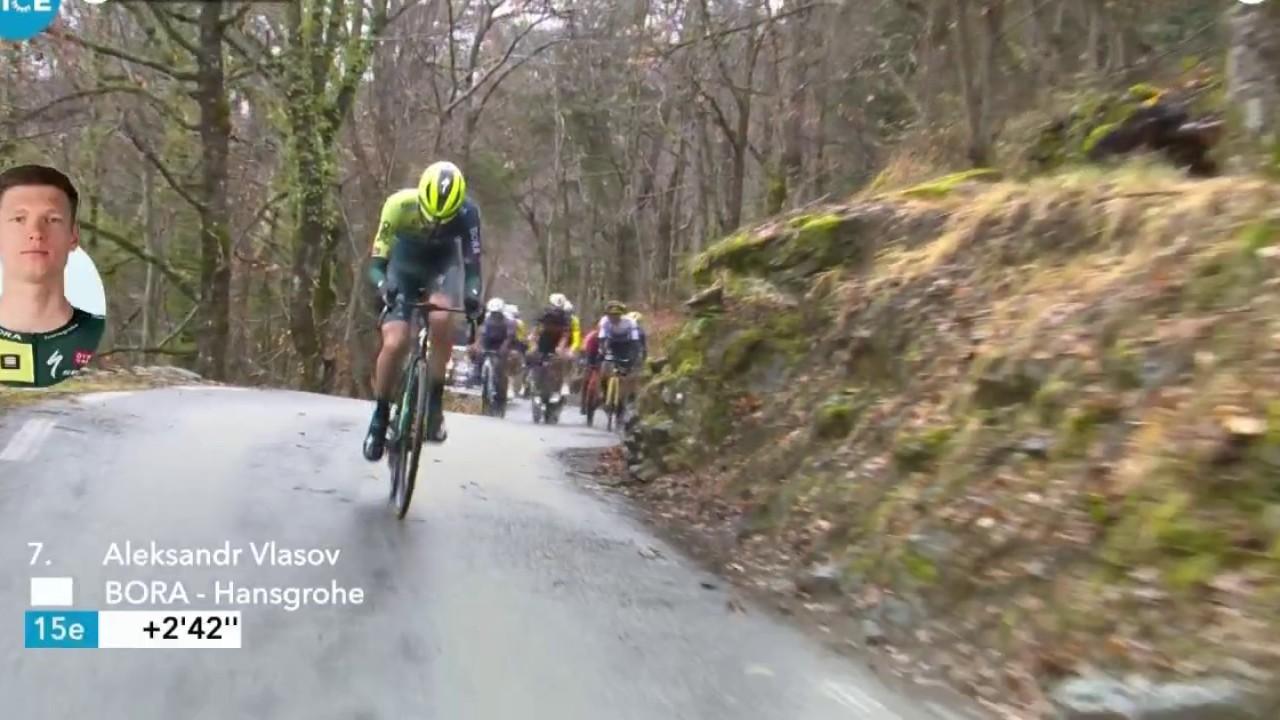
(1026, 436)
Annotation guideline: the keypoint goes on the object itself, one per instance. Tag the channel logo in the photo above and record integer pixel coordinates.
(25, 19)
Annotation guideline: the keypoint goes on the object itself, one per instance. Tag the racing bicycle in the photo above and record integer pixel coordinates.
(408, 425)
(493, 400)
(614, 403)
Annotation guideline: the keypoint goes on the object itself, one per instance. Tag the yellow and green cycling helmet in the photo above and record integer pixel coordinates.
(441, 191)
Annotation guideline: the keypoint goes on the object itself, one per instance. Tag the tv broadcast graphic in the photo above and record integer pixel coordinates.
(582, 359)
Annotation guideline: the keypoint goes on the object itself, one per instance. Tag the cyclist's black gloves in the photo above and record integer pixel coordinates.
(388, 292)
(472, 306)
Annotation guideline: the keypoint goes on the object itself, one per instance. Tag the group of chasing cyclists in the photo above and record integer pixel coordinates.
(428, 246)
(556, 340)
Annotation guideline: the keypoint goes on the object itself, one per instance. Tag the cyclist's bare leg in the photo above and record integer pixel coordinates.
(504, 370)
(395, 345)
(442, 332)
(514, 364)
(559, 364)
(442, 335)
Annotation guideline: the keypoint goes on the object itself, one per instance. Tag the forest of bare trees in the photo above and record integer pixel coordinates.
(234, 157)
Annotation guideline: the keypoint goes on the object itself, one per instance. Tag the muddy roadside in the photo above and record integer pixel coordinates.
(811, 604)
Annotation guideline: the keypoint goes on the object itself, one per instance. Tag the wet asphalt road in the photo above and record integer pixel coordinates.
(506, 593)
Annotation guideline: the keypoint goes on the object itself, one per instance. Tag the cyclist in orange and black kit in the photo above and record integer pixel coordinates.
(591, 359)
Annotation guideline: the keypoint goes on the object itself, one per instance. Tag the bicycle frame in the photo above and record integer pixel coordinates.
(411, 420)
(420, 326)
(613, 389)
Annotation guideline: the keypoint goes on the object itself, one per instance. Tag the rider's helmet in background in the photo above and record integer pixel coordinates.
(558, 300)
(496, 305)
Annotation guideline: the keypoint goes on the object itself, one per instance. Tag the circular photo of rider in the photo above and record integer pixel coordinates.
(52, 299)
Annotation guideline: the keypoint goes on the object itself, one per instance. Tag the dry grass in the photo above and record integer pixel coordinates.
(93, 382)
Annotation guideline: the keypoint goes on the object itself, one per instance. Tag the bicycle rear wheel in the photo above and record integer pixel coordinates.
(501, 389)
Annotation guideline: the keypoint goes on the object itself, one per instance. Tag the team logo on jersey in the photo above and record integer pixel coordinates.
(54, 361)
(82, 357)
(10, 362)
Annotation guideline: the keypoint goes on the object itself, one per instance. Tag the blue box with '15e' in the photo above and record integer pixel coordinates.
(61, 628)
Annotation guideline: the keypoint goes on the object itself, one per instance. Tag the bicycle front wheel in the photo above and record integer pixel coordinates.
(417, 433)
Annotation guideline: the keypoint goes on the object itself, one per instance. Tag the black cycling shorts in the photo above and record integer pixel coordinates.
(416, 284)
(549, 340)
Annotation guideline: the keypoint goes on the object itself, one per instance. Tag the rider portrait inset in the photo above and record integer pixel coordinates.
(52, 306)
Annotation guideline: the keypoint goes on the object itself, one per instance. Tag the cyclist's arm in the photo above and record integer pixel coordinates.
(576, 331)
(383, 241)
(471, 254)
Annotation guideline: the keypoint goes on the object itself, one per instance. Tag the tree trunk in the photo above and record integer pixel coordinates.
(150, 299)
(799, 38)
(972, 74)
(311, 228)
(215, 239)
(1095, 17)
(1253, 72)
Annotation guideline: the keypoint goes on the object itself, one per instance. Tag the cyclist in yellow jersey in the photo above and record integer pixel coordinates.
(575, 328)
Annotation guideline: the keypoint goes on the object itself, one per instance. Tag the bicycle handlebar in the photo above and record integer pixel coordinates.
(430, 307)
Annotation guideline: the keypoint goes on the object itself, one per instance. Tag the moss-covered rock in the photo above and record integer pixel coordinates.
(922, 450)
(1072, 380)
(835, 417)
(1145, 117)
(944, 186)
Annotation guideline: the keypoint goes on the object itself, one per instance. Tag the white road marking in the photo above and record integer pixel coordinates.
(27, 441)
(855, 699)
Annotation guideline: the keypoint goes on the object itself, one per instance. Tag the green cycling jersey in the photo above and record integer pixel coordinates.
(406, 241)
(44, 359)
